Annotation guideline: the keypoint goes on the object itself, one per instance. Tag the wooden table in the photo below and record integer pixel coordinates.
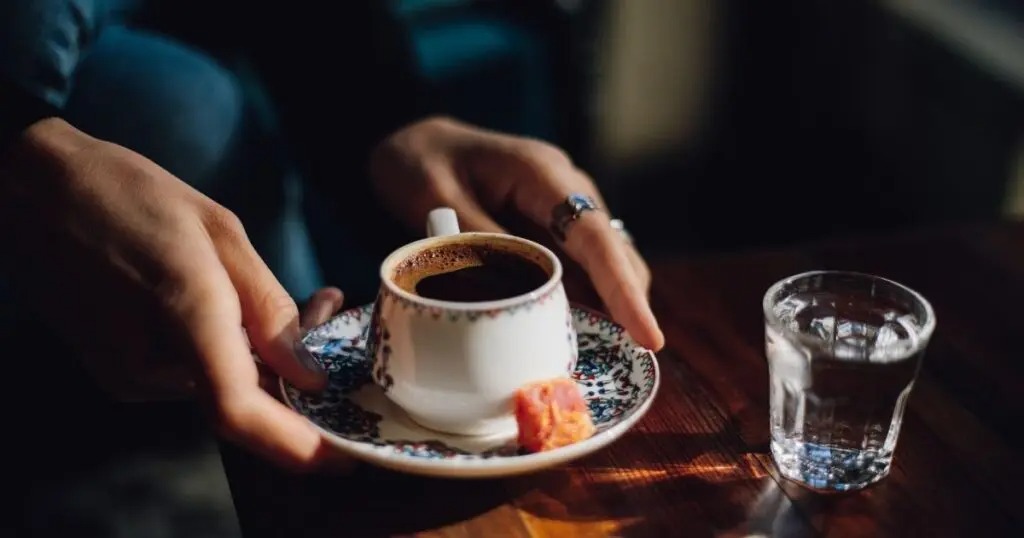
(698, 464)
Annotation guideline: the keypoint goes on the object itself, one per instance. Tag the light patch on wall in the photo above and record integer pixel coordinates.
(654, 63)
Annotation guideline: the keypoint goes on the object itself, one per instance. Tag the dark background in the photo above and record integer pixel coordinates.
(815, 117)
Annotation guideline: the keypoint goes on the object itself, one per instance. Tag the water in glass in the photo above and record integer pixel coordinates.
(843, 356)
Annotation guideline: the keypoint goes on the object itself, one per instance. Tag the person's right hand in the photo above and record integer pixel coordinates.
(152, 283)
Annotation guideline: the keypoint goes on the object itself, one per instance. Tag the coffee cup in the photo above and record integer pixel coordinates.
(464, 319)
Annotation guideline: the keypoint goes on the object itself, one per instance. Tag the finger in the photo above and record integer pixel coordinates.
(321, 306)
(604, 256)
(209, 318)
(264, 425)
(640, 267)
(325, 460)
(269, 314)
(593, 243)
(448, 191)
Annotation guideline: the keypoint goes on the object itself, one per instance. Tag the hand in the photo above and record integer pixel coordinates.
(479, 174)
(318, 309)
(151, 283)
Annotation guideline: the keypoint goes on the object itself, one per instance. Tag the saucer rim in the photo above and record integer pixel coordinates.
(492, 467)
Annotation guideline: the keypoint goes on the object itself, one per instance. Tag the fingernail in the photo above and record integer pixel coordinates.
(307, 359)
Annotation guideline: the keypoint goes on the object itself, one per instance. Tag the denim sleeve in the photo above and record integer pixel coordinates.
(41, 43)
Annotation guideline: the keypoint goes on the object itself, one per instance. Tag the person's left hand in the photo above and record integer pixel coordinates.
(480, 174)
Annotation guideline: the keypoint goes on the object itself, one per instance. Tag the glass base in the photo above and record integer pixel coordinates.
(829, 468)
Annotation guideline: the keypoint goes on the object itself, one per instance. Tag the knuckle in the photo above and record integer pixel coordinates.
(222, 221)
(441, 191)
(278, 300)
(279, 305)
(441, 122)
(595, 257)
(232, 418)
(187, 286)
(436, 183)
(606, 254)
(595, 236)
(177, 285)
(645, 276)
(546, 153)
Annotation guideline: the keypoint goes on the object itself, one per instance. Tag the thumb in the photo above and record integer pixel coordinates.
(269, 315)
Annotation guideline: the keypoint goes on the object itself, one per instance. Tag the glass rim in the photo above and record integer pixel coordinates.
(923, 336)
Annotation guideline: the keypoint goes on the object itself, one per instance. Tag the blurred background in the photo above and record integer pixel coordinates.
(729, 124)
(709, 125)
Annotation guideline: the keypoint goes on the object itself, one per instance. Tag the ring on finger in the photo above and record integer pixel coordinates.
(572, 208)
(569, 211)
(620, 227)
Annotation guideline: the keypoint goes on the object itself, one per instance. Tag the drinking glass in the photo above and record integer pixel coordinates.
(843, 352)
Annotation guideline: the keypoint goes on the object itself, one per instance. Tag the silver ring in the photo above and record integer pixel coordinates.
(565, 213)
(620, 227)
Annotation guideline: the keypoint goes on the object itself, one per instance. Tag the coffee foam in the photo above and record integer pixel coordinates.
(438, 259)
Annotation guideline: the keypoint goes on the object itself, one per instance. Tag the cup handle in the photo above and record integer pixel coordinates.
(442, 221)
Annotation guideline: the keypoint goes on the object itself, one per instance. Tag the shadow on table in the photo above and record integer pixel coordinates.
(651, 484)
(374, 502)
(701, 506)
(865, 512)
(646, 484)
(687, 486)
(366, 501)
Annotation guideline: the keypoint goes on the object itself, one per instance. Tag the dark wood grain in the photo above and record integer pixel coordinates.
(698, 464)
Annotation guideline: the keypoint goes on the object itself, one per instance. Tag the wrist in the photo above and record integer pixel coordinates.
(41, 153)
(51, 138)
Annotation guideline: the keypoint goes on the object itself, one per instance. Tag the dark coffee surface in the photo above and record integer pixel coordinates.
(469, 273)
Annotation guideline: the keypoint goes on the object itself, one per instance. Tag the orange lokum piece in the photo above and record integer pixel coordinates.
(551, 414)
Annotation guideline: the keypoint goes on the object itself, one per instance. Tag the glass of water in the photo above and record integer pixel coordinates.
(843, 352)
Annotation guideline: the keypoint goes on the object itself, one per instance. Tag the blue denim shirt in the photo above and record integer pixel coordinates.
(41, 43)
(354, 67)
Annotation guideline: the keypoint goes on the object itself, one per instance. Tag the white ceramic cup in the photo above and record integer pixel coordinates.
(455, 366)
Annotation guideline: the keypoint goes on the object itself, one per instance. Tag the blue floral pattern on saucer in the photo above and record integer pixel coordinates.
(618, 379)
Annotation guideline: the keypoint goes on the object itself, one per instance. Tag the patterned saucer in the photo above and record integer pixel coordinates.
(618, 378)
